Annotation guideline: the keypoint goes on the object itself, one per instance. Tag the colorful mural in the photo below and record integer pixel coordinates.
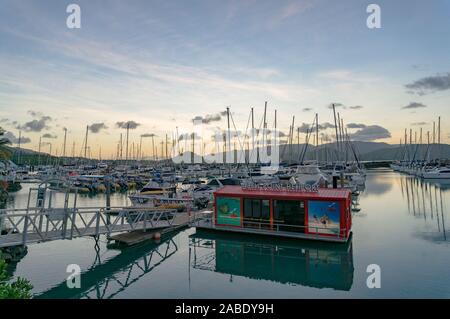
(324, 217)
(228, 211)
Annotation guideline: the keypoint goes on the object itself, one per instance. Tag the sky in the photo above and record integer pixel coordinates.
(160, 64)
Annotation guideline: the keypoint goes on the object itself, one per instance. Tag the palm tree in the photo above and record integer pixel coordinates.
(5, 153)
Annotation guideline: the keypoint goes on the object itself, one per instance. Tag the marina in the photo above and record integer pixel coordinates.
(211, 264)
(224, 155)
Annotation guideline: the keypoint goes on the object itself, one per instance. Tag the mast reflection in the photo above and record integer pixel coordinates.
(426, 200)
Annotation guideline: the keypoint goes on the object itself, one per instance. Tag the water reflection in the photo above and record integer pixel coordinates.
(425, 200)
(379, 182)
(105, 280)
(306, 263)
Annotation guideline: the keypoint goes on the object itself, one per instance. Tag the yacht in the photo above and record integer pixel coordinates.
(308, 175)
(437, 173)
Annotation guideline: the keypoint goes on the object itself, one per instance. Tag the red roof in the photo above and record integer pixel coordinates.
(322, 193)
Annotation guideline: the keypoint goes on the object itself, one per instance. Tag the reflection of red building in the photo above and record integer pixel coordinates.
(282, 260)
(285, 213)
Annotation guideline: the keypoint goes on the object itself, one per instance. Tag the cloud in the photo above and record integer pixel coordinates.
(48, 135)
(326, 125)
(293, 8)
(356, 107)
(371, 133)
(209, 118)
(419, 123)
(414, 105)
(336, 105)
(36, 125)
(97, 127)
(430, 84)
(130, 124)
(148, 135)
(304, 128)
(356, 125)
(307, 109)
(189, 136)
(34, 113)
(15, 140)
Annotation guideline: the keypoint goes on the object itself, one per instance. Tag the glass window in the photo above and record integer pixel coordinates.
(248, 208)
(265, 212)
(256, 213)
(256, 208)
(289, 215)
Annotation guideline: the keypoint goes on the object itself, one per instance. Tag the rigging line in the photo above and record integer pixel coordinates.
(257, 137)
(234, 125)
(308, 136)
(245, 133)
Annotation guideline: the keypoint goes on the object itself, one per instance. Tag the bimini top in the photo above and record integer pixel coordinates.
(321, 193)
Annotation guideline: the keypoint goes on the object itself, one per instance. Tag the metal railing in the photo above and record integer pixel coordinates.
(22, 226)
(207, 218)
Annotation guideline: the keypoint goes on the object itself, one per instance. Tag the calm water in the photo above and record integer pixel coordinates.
(401, 226)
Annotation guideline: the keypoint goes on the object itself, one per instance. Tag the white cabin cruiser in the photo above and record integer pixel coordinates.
(308, 175)
(437, 173)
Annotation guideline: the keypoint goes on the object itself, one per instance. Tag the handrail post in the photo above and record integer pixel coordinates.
(97, 223)
(25, 229)
(73, 222)
(145, 221)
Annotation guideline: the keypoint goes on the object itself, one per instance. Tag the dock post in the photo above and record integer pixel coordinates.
(25, 223)
(97, 222)
(108, 203)
(25, 229)
(145, 221)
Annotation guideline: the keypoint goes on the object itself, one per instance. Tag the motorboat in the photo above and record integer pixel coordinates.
(437, 173)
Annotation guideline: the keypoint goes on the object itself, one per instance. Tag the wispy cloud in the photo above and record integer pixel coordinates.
(128, 124)
(414, 105)
(356, 125)
(419, 123)
(371, 133)
(430, 84)
(15, 139)
(48, 135)
(292, 9)
(97, 127)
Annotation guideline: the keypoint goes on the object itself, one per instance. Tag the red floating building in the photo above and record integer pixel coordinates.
(321, 214)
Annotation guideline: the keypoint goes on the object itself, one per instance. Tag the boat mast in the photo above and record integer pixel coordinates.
(85, 141)
(166, 147)
(126, 149)
(65, 139)
(229, 139)
(265, 123)
(317, 138)
(336, 128)
(339, 133)
(439, 138)
(19, 151)
(140, 149)
(291, 139)
(153, 147)
(253, 132)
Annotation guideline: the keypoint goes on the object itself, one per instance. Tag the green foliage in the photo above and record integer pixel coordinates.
(5, 153)
(19, 289)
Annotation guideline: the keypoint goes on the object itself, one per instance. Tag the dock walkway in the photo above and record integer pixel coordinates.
(32, 225)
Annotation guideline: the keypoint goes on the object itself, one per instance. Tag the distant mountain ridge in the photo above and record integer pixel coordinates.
(366, 151)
